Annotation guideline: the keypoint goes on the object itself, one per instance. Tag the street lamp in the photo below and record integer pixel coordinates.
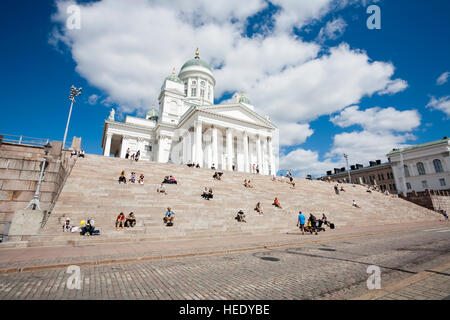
(348, 169)
(35, 201)
(74, 92)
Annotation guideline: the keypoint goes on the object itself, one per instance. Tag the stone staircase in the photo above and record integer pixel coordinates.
(92, 190)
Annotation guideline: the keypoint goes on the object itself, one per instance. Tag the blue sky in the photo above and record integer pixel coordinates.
(37, 74)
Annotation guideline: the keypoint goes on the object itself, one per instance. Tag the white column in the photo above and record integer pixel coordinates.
(263, 155)
(198, 142)
(245, 142)
(229, 149)
(107, 149)
(123, 148)
(258, 150)
(271, 159)
(215, 158)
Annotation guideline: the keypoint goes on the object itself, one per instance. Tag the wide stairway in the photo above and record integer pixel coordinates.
(92, 190)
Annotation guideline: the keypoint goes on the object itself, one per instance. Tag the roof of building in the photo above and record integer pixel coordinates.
(196, 62)
(419, 146)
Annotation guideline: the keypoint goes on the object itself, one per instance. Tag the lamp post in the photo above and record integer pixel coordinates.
(348, 169)
(74, 92)
(35, 201)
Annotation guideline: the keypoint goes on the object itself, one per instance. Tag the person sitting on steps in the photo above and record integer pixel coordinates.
(81, 154)
(205, 192)
(218, 175)
(141, 179)
(172, 180)
(198, 165)
(209, 194)
(240, 217)
(258, 208)
(120, 221)
(66, 226)
(213, 167)
(161, 189)
(133, 177)
(122, 178)
(131, 220)
(169, 217)
(73, 153)
(355, 204)
(276, 203)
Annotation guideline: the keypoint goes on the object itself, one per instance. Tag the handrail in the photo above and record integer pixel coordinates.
(53, 203)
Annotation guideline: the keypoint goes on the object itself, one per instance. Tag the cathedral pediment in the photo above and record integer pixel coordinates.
(238, 112)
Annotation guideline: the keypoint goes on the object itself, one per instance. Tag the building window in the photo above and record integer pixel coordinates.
(405, 167)
(193, 92)
(382, 176)
(194, 82)
(408, 186)
(202, 92)
(148, 148)
(421, 168)
(424, 184)
(364, 179)
(185, 88)
(442, 182)
(437, 165)
(202, 83)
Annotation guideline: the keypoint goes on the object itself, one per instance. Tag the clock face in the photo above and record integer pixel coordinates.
(202, 83)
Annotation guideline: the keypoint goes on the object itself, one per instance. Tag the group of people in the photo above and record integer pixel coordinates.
(255, 168)
(247, 184)
(79, 153)
(207, 193)
(193, 165)
(313, 225)
(218, 175)
(169, 180)
(86, 228)
(337, 188)
(122, 221)
(132, 179)
(134, 156)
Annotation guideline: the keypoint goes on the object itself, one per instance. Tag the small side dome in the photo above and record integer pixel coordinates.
(244, 99)
(152, 115)
(173, 77)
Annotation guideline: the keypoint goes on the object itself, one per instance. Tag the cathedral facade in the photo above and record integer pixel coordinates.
(190, 128)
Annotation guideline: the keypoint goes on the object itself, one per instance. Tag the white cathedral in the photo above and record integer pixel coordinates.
(191, 129)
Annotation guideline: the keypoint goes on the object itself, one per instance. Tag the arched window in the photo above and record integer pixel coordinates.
(405, 167)
(438, 165)
(421, 168)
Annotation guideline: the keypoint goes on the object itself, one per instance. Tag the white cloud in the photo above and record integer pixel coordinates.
(332, 30)
(294, 133)
(378, 119)
(443, 78)
(394, 86)
(92, 100)
(304, 162)
(127, 50)
(365, 146)
(442, 104)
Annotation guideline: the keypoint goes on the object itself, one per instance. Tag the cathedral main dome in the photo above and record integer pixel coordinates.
(196, 62)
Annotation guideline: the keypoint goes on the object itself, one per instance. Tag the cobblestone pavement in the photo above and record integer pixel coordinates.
(332, 270)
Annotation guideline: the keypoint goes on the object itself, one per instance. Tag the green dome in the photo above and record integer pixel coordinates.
(196, 62)
(152, 114)
(244, 99)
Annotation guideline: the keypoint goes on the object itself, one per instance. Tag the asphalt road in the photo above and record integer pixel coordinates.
(336, 269)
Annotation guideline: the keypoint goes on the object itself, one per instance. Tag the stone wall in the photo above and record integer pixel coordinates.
(20, 167)
(433, 200)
